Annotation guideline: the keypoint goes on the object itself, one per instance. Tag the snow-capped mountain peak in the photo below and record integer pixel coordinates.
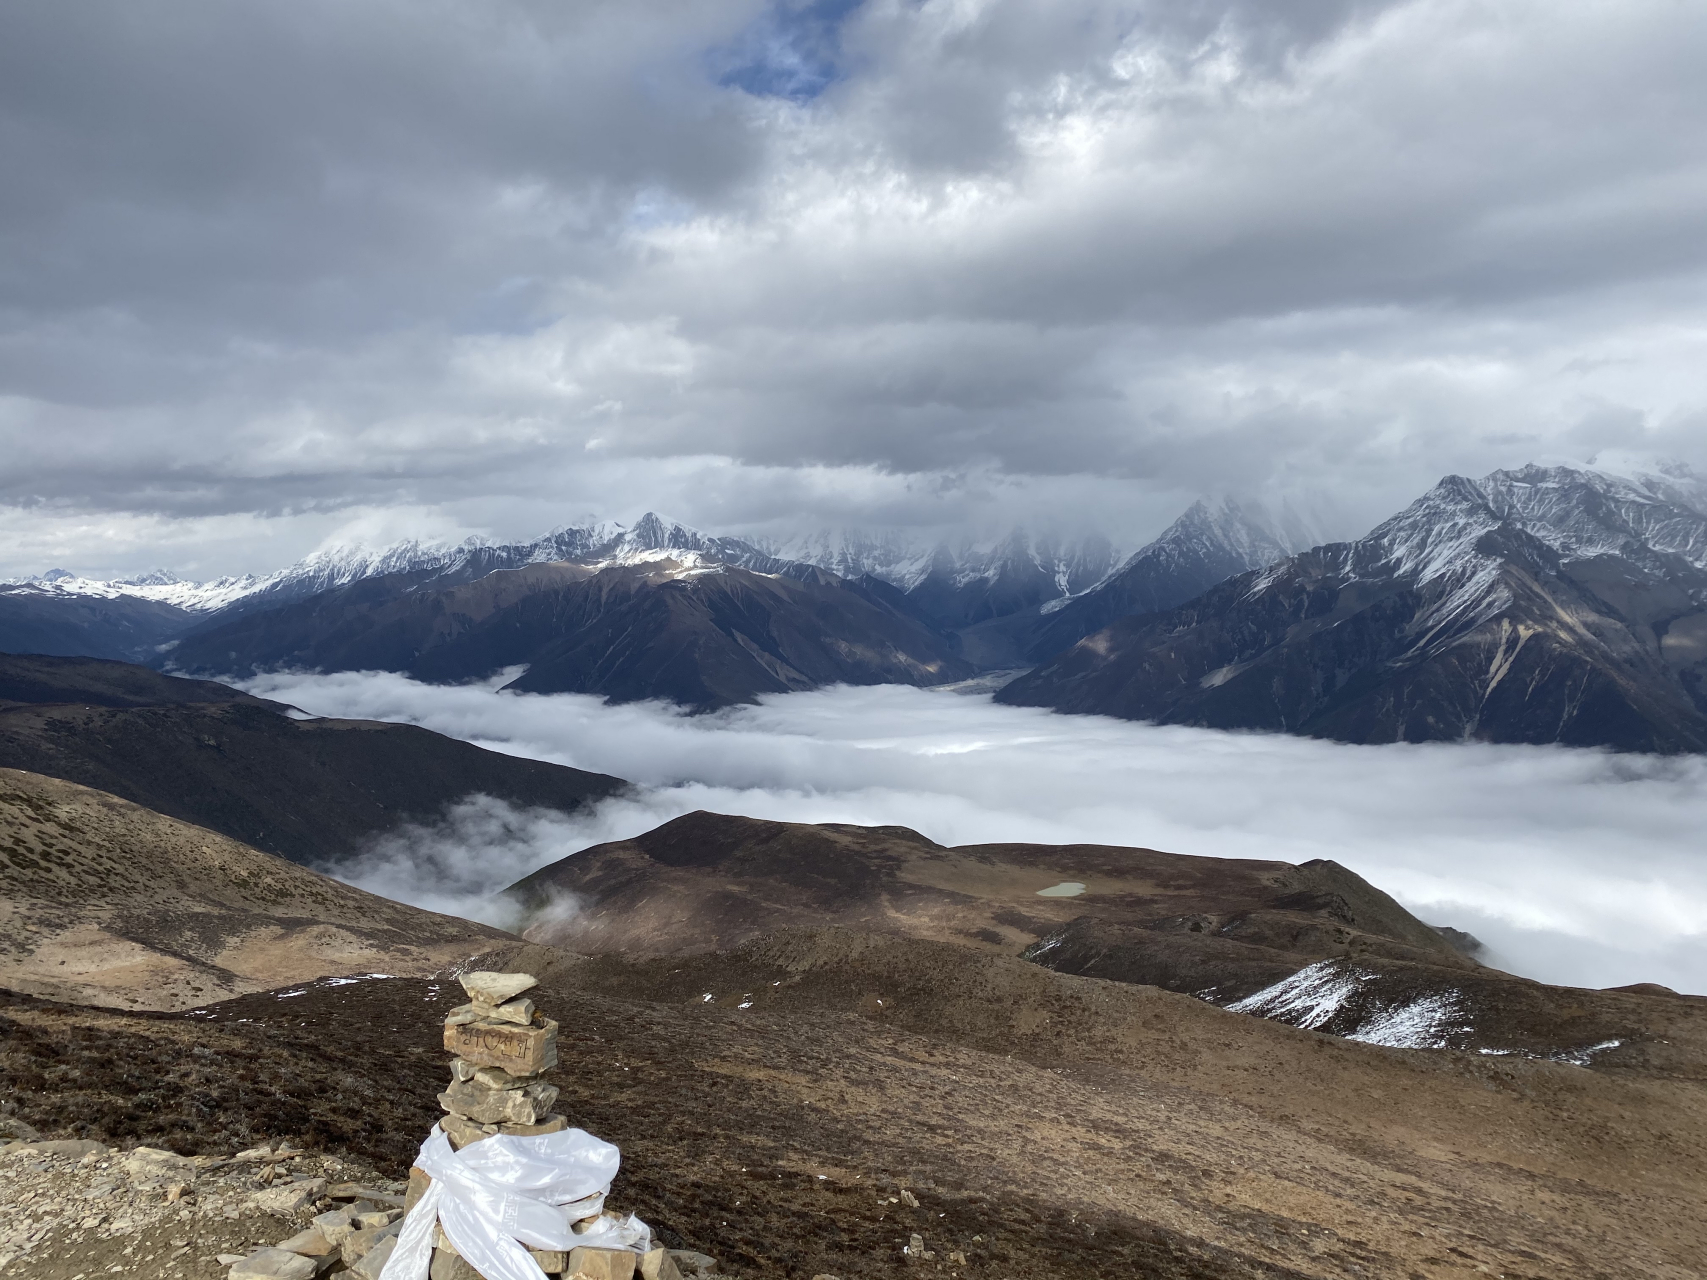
(153, 578)
(160, 586)
(1577, 514)
(338, 564)
(1581, 513)
(1224, 525)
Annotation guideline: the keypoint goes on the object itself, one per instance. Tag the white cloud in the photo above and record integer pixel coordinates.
(454, 865)
(1575, 866)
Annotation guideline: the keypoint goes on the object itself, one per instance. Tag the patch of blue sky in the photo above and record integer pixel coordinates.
(659, 207)
(792, 50)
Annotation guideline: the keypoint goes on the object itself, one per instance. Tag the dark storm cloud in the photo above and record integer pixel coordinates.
(499, 265)
(323, 171)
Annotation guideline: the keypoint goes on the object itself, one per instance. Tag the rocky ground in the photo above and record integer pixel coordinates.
(810, 1103)
(74, 1210)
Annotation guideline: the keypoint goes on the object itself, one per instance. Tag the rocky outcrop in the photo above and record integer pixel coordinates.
(82, 1206)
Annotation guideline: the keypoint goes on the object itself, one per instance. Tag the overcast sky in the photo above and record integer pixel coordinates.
(273, 273)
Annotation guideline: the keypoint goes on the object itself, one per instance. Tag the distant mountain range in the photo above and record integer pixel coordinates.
(1206, 545)
(1540, 605)
(653, 610)
(1546, 604)
(335, 567)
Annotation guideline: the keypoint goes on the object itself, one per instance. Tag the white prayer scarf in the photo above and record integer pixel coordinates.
(501, 1193)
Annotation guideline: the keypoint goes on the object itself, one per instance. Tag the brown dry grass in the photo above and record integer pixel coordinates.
(105, 902)
(1049, 1126)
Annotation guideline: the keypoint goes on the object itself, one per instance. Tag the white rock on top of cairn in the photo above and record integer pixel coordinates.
(489, 989)
(503, 1045)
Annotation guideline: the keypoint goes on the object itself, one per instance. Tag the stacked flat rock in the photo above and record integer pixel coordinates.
(502, 1046)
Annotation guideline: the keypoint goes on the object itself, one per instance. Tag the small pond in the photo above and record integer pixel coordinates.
(1066, 889)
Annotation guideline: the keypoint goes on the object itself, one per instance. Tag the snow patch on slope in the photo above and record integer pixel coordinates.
(1308, 999)
(1319, 993)
(1421, 1024)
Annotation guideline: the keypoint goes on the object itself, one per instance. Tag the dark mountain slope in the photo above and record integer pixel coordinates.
(1450, 621)
(774, 1103)
(1313, 945)
(312, 791)
(38, 619)
(705, 635)
(97, 682)
(804, 1103)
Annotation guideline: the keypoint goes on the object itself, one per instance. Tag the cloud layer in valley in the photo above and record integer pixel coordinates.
(1578, 867)
(761, 263)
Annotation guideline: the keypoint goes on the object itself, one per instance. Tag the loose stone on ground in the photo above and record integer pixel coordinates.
(79, 1207)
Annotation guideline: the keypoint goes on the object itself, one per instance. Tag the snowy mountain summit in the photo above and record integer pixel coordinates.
(341, 564)
(1210, 542)
(951, 579)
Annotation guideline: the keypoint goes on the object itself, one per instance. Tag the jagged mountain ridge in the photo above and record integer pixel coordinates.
(955, 582)
(1538, 605)
(938, 586)
(135, 619)
(1581, 513)
(1208, 543)
(338, 566)
(964, 578)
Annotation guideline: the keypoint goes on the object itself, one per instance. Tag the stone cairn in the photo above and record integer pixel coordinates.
(503, 1045)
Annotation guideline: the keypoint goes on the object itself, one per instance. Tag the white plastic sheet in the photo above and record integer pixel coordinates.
(501, 1193)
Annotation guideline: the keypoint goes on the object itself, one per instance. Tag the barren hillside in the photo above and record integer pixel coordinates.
(105, 902)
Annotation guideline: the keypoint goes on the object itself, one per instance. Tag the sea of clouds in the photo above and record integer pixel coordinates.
(1573, 866)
